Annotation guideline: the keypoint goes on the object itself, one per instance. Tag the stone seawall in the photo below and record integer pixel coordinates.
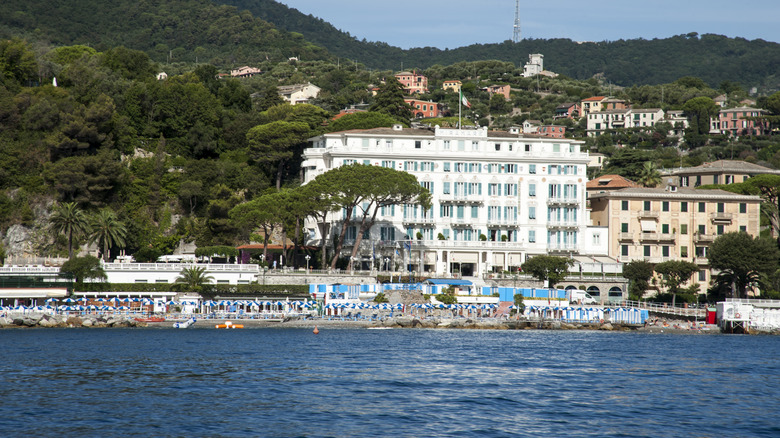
(45, 320)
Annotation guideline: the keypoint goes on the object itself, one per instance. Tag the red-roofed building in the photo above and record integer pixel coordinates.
(423, 108)
(552, 131)
(412, 82)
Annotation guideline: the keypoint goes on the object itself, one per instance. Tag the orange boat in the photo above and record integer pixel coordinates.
(151, 319)
(229, 325)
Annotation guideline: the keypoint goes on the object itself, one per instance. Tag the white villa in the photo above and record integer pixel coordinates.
(498, 197)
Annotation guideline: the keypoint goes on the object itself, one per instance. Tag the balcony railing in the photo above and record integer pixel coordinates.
(418, 220)
(561, 247)
(562, 224)
(562, 200)
(656, 237)
(626, 236)
(704, 237)
(648, 214)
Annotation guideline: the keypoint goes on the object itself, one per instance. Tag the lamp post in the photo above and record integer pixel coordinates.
(307, 263)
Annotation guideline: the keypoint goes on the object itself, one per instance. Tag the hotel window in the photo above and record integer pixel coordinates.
(460, 167)
(446, 166)
(683, 228)
(511, 168)
(531, 189)
(721, 207)
(446, 144)
(446, 189)
(532, 236)
(528, 148)
(702, 275)
(665, 206)
(498, 146)
(474, 212)
(624, 250)
(624, 227)
(743, 207)
(702, 207)
(684, 207)
(417, 144)
(624, 205)
(493, 189)
(532, 168)
(702, 229)
(665, 228)
(647, 205)
(720, 229)
(531, 212)
(683, 251)
(646, 249)
(445, 211)
(665, 251)
(743, 228)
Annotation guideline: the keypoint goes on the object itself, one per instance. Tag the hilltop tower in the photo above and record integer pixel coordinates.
(517, 36)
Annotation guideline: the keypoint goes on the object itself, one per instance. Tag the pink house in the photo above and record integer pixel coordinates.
(498, 89)
(552, 131)
(423, 108)
(412, 82)
(740, 121)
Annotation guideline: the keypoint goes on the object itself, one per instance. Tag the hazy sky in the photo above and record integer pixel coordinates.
(457, 23)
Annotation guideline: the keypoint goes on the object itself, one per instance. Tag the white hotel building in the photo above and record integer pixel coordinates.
(498, 197)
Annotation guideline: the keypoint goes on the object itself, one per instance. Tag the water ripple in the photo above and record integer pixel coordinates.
(399, 383)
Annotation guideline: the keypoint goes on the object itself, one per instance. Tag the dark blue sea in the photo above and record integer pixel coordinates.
(385, 383)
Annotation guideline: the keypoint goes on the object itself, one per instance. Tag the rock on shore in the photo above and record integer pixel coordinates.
(44, 320)
(490, 324)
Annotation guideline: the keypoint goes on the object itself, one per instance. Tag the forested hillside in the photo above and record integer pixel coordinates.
(231, 32)
(168, 30)
(713, 58)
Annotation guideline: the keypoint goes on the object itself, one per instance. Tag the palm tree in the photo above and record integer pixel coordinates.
(108, 231)
(649, 176)
(69, 219)
(194, 277)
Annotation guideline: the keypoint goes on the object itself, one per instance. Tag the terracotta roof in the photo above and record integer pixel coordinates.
(594, 98)
(734, 166)
(611, 182)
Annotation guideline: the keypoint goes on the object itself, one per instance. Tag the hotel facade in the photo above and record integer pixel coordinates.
(661, 224)
(497, 198)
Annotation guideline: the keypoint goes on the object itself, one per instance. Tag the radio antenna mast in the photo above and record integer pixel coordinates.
(517, 36)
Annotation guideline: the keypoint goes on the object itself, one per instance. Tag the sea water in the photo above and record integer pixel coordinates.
(385, 383)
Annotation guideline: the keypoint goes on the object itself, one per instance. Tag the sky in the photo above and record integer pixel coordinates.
(457, 23)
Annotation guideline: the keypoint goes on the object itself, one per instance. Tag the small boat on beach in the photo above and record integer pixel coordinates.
(151, 319)
(185, 324)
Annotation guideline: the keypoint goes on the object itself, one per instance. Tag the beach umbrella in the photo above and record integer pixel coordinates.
(171, 303)
(83, 299)
(101, 300)
(68, 300)
(51, 300)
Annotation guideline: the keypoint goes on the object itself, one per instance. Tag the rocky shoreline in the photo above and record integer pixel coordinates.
(399, 322)
(51, 321)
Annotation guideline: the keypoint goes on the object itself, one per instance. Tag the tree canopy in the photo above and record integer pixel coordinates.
(744, 261)
(546, 268)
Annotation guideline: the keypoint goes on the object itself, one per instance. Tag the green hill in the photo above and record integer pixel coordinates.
(713, 58)
(168, 30)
